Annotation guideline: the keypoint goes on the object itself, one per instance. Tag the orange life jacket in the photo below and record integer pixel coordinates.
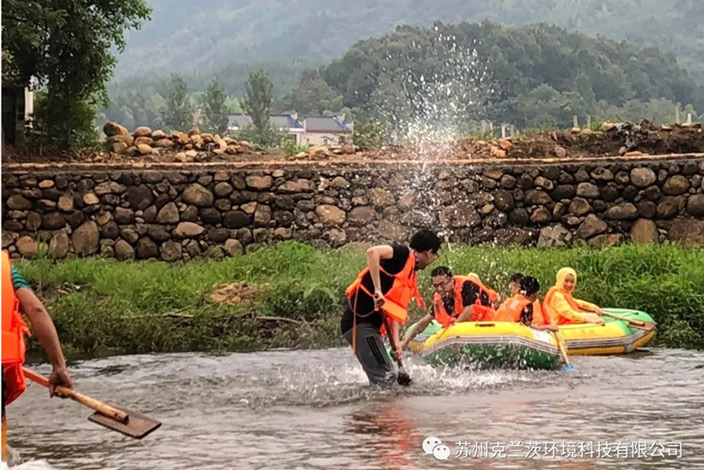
(511, 309)
(540, 315)
(480, 312)
(554, 316)
(13, 330)
(403, 289)
(491, 293)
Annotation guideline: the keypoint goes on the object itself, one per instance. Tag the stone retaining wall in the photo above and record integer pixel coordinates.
(175, 212)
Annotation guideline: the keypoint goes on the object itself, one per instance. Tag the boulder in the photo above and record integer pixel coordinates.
(625, 211)
(26, 246)
(171, 251)
(560, 152)
(668, 208)
(587, 190)
(197, 195)
(541, 216)
(554, 236)
(503, 200)
(86, 239)
(187, 230)
(18, 202)
(687, 232)
(536, 197)
(644, 231)
(233, 246)
(168, 214)
(361, 216)
(53, 221)
(580, 207)
(676, 185)
(329, 214)
(259, 183)
(236, 219)
(123, 250)
(142, 131)
(144, 149)
(695, 205)
(296, 186)
(65, 203)
(262, 215)
(603, 241)
(58, 245)
(643, 177)
(112, 128)
(139, 197)
(381, 197)
(146, 249)
(591, 226)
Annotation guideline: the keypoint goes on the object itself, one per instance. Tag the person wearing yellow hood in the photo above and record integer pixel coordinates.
(565, 309)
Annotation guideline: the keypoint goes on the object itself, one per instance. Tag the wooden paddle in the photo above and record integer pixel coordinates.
(129, 423)
(563, 351)
(636, 323)
(403, 378)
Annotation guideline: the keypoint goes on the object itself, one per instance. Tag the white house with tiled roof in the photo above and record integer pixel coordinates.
(306, 130)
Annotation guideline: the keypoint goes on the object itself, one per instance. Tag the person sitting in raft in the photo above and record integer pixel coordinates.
(565, 309)
(514, 284)
(525, 308)
(385, 288)
(456, 298)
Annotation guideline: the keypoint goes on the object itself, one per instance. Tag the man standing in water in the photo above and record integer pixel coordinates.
(18, 296)
(385, 287)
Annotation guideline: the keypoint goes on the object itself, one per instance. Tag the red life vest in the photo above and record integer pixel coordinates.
(13, 330)
(480, 312)
(511, 309)
(403, 289)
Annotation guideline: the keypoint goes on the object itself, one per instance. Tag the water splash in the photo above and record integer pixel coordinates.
(429, 97)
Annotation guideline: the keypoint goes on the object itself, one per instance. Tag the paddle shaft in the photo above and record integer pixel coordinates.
(561, 347)
(636, 323)
(391, 338)
(80, 398)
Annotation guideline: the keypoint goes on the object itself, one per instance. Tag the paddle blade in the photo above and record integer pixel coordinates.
(137, 425)
(569, 368)
(404, 379)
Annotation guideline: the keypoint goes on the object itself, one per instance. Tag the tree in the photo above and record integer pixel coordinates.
(215, 107)
(66, 47)
(257, 103)
(178, 115)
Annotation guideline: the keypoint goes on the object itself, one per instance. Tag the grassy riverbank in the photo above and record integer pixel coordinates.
(101, 305)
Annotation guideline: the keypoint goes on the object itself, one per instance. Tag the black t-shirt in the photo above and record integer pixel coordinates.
(364, 302)
(470, 293)
(527, 315)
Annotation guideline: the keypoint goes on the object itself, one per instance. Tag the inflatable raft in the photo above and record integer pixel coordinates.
(513, 345)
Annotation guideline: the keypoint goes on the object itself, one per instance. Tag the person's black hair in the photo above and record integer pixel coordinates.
(517, 278)
(425, 240)
(441, 271)
(530, 286)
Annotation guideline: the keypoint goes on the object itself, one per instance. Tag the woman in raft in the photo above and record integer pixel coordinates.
(565, 309)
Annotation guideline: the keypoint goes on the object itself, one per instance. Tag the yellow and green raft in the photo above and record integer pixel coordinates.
(513, 345)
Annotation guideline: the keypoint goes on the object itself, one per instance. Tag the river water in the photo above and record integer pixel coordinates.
(313, 409)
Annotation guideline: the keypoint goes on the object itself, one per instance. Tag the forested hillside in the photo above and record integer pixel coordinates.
(185, 35)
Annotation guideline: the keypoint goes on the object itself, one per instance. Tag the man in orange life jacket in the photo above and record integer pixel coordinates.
(456, 298)
(525, 308)
(385, 287)
(18, 296)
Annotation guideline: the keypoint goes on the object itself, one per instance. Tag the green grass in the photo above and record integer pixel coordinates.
(102, 305)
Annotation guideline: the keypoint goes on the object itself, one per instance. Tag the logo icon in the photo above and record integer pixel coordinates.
(434, 446)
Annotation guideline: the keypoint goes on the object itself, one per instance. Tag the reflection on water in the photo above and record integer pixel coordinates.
(314, 410)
